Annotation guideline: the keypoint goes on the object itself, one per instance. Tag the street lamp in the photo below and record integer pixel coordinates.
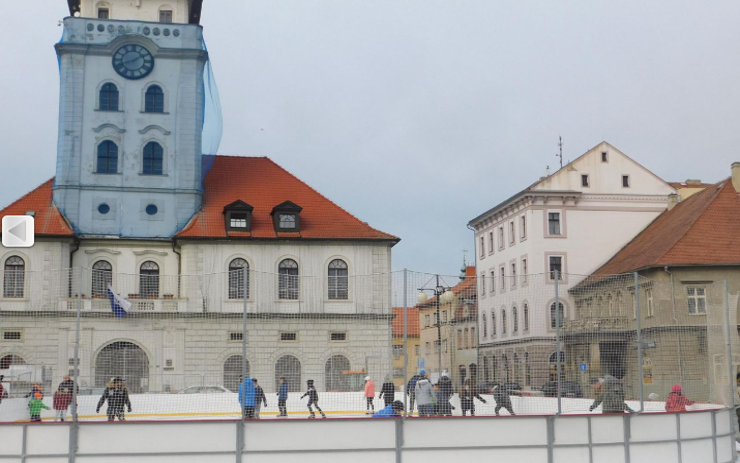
(442, 295)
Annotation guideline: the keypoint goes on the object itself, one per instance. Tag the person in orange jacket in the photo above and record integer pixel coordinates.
(676, 401)
(369, 395)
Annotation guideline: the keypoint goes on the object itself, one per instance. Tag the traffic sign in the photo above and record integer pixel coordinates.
(582, 367)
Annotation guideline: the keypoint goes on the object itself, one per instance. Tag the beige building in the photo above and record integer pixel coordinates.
(412, 340)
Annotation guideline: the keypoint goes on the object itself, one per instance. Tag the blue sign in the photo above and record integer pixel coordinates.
(582, 367)
(420, 362)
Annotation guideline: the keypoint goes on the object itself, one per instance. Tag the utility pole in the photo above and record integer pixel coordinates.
(560, 155)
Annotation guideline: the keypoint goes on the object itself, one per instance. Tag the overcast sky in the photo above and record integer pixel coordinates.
(418, 115)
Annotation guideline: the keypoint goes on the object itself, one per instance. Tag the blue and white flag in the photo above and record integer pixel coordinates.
(118, 305)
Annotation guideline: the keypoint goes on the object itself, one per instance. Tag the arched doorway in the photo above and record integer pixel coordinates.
(233, 371)
(290, 367)
(9, 360)
(125, 360)
(335, 380)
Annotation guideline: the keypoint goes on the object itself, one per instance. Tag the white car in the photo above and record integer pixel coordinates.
(204, 390)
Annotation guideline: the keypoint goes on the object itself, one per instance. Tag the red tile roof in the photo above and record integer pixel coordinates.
(48, 221)
(701, 230)
(412, 322)
(263, 184)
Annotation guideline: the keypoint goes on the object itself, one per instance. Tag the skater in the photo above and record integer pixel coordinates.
(611, 395)
(467, 396)
(259, 399)
(283, 398)
(313, 399)
(68, 384)
(62, 399)
(410, 390)
(35, 406)
(117, 396)
(676, 401)
(387, 391)
(3, 394)
(392, 410)
(444, 395)
(247, 397)
(35, 389)
(369, 395)
(503, 400)
(424, 395)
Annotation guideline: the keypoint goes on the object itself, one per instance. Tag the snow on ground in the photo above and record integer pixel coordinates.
(159, 407)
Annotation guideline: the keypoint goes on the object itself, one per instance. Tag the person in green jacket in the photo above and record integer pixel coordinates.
(35, 407)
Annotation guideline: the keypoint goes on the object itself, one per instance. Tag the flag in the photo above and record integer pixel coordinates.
(118, 305)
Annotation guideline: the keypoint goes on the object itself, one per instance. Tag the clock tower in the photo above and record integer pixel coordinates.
(131, 115)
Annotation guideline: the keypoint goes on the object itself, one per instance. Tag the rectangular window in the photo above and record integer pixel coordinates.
(12, 335)
(435, 318)
(625, 181)
(523, 227)
(634, 306)
(397, 351)
(289, 336)
(490, 242)
(417, 350)
(512, 237)
(429, 349)
(553, 223)
(524, 270)
(473, 341)
(103, 13)
(459, 339)
(338, 336)
(604, 157)
(168, 363)
(238, 220)
(483, 284)
(482, 248)
(649, 297)
(502, 275)
(444, 345)
(398, 372)
(556, 265)
(493, 282)
(513, 274)
(165, 16)
(444, 316)
(426, 320)
(436, 346)
(584, 181)
(236, 336)
(501, 237)
(697, 299)
(484, 324)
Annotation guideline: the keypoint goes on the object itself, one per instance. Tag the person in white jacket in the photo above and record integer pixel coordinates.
(424, 395)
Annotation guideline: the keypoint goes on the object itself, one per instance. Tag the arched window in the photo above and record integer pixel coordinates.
(154, 100)
(14, 277)
(503, 321)
(515, 365)
(288, 279)
(338, 280)
(237, 267)
(515, 320)
(107, 158)
(149, 280)
(494, 368)
(493, 322)
(126, 360)
(554, 315)
(288, 367)
(102, 276)
(9, 360)
(109, 97)
(153, 154)
(484, 324)
(233, 372)
(334, 375)
(465, 339)
(526, 317)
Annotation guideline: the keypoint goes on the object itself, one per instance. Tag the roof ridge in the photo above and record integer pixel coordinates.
(330, 201)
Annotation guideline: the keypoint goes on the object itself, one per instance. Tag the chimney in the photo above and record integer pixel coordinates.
(672, 200)
(693, 182)
(736, 176)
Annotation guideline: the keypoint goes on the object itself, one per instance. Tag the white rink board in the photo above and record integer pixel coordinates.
(321, 434)
(474, 432)
(571, 430)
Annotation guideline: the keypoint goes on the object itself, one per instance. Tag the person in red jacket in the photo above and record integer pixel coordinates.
(369, 395)
(676, 401)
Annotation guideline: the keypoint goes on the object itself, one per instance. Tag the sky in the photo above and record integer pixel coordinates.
(418, 115)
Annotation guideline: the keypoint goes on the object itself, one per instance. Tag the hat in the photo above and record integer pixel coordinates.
(445, 375)
(309, 381)
(397, 405)
(37, 395)
(423, 372)
(367, 378)
(676, 388)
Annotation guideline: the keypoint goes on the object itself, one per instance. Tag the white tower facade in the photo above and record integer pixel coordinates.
(130, 117)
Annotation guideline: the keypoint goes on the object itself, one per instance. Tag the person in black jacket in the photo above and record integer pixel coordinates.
(68, 384)
(388, 391)
(117, 396)
(313, 399)
(502, 397)
(259, 398)
(445, 394)
(411, 391)
(468, 394)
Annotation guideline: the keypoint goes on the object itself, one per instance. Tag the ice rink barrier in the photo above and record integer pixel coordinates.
(691, 437)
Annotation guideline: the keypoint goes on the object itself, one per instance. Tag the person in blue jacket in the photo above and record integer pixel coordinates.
(283, 397)
(246, 397)
(391, 411)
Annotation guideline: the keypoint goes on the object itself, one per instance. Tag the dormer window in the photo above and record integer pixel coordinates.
(238, 216)
(165, 16)
(286, 217)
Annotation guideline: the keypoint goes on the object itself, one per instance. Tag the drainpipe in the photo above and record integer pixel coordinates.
(71, 264)
(675, 322)
(179, 265)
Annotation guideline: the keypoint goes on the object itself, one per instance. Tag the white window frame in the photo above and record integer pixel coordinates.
(523, 228)
(696, 298)
(491, 244)
(524, 270)
(493, 281)
(649, 299)
(560, 223)
(483, 285)
(501, 243)
(482, 248)
(502, 276)
(562, 267)
(513, 274)
(512, 233)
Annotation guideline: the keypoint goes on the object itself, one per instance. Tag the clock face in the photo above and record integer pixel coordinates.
(133, 61)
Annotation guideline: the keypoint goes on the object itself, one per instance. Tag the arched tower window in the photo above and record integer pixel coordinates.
(109, 97)
(14, 277)
(555, 314)
(107, 158)
(154, 100)
(153, 154)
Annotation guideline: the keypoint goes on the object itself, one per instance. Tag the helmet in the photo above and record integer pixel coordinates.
(423, 372)
(367, 378)
(676, 388)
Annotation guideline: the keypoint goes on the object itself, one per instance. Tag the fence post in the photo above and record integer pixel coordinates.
(730, 362)
(558, 322)
(74, 426)
(405, 341)
(241, 427)
(639, 342)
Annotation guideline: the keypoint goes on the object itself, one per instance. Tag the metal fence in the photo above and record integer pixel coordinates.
(488, 344)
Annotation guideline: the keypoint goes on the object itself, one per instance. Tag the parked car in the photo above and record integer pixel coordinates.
(204, 390)
(569, 389)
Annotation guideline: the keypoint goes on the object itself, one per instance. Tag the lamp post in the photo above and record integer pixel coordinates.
(442, 295)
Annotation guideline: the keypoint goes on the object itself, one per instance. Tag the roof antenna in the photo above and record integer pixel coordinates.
(560, 145)
(463, 270)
